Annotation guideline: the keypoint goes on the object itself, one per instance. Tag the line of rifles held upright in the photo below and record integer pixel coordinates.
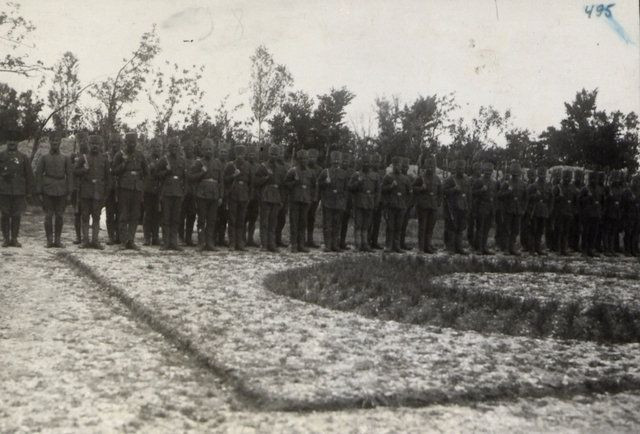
(223, 193)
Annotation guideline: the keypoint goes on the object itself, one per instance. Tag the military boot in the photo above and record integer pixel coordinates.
(458, 245)
(166, 241)
(48, 230)
(6, 230)
(95, 240)
(58, 233)
(77, 225)
(15, 230)
(85, 236)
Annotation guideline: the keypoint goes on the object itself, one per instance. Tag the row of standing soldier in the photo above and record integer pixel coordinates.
(230, 196)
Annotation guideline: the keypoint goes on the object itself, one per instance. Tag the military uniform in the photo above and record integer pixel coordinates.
(363, 186)
(111, 203)
(590, 200)
(54, 179)
(284, 209)
(565, 200)
(223, 209)
(188, 210)
(396, 189)
(299, 180)
(93, 175)
(347, 166)
(376, 218)
(613, 215)
(575, 241)
(130, 167)
(473, 206)
(631, 216)
(527, 239)
(269, 178)
(253, 207)
(206, 174)
(237, 179)
(16, 182)
(315, 170)
(332, 184)
(427, 195)
(409, 206)
(456, 190)
(151, 203)
(539, 202)
(485, 190)
(82, 140)
(171, 172)
(514, 195)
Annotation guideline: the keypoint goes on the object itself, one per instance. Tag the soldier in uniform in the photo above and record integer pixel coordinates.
(54, 178)
(364, 189)
(188, 213)
(602, 188)
(476, 171)
(111, 204)
(171, 171)
(590, 198)
(223, 209)
(269, 178)
(500, 233)
(539, 209)
(93, 174)
(332, 184)
(83, 149)
(456, 190)
(514, 195)
(253, 207)
(395, 190)
(484, 194)
(348, 167)
(315, 169)
(16, 184)
(427, 193)
(284, 209)
(631, 219)
(130, 167)
(299, 180)
(565, 198)
(409, 205)
(575, 241)
(151, 202)
(377, 171)
(613, 214)
(551, 235)
(527, 240)
(206, 176)
(237, 179)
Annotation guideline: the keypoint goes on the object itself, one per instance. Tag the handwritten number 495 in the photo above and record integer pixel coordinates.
(599, 9)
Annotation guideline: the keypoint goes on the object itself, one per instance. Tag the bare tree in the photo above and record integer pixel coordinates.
(14, 29)
(64, 91)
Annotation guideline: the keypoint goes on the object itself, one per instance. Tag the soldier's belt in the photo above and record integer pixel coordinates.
(208, 180)
(368, 192)
(304, 186)
(272, 185)
(94, 181)
(175, 177)
(133, 172)
(240, 182)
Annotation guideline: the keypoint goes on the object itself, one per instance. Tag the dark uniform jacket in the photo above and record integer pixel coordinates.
(591, 201)
(485, 198)
(540, 199)
(92, 171)
(315, 173)
(130, 171)
(16, 177)
(364, 189)
(427, 192)
(630, 205)
(565, 200)
(613, 203)
(396, 195)
(151, 183)
(172, 172)
(456, 191)
(300, 183)
(54, 175)
(269, 179)
(206, 176)
(238, 187)
(332, 183)
(514, 196)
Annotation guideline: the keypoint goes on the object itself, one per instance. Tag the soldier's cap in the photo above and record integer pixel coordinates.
(376, 158)
(476, 165)
(274, 150)
(130, 137)
(301, 154)
(173, 141)
(365, 160)
(514, 168)
(82, 136)
(336, 157)
(541, 170)
(95, 139)
(313, 153)
(115, 138)
(187, 143)
(430, 162)
(406, 160)
(154, 142)
(567, 173)
(347, 157)
(208, 142)
(239, 150)
(461, 164)
(251, 150)
(396, 160)
(487, 165)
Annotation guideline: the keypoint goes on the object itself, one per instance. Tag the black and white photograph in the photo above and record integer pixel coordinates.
(336, 216)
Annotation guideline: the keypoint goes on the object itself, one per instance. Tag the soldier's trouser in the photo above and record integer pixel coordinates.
(501, 235)
(538, 225)
(207, 210)
(393, 217)
(471, 229)
(426, 223)
(311, 220)
(562, 226)
(54, 206)
(611, 236)
(221, 225)
(253, 211)
(600, 235)
(374, 232)
(151, 218)
(11, 209)
(551, 235)
(91, 209)
(458, 226)
(129, 204)
(448, 237)
(527, 235)
(344, 225)
(282, 218)
(298, 212)
(237, 219)
(77, 214)
(171, 219)
(483, 224)
(361, 224)
(512, 227)
(331, 225)
(405, 223)
(187, 217)
(268, 222)
(111, 206)
(631, 236)
(575, 241)
(590, 233)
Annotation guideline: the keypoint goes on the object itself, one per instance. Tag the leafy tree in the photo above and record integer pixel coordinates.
(293, 124)
(328, 120)
(269, 82)
(64, 93)
(19, 113)
(116, 92)
(14, 29)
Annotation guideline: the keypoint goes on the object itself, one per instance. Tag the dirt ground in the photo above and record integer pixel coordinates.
(76, 358)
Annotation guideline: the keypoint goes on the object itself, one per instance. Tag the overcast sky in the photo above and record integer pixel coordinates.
(529, 56)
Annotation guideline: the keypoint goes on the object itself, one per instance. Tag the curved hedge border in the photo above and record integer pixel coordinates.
(398, 288)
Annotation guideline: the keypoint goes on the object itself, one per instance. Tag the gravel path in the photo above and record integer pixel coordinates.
(73, 359)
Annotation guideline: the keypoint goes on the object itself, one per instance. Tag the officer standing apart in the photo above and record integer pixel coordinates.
(16, 184)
